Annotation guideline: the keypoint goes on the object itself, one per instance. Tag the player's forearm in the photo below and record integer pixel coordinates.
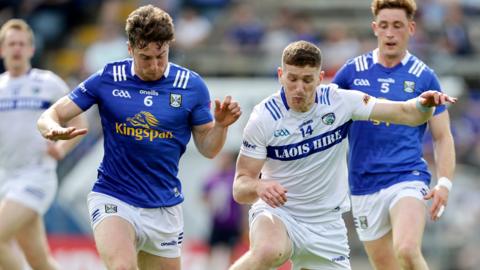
(48, 121)
(404, 113)
(79, 122)
(444, 151)
(415, 113)
(213, 141)
(245, 190)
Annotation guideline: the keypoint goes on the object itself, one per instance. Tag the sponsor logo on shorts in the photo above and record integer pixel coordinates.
(169, 243)
(339, 259)
(35, 192)
(110, 208)
(361, 222)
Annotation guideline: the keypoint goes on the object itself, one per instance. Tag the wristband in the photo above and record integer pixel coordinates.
(444, 182)
(421, 107)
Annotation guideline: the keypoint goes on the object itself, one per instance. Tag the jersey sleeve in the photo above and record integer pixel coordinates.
(435, 85)
(85, 94)
(359, 103)
(343, 77)
(201, 113)
(254, 140)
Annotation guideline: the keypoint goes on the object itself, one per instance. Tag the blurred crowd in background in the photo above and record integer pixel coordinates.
(244, 38)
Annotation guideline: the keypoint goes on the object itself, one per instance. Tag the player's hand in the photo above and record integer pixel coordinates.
(272, 193)
(439, 196)
(61, 133)
(226, 112)
(433, 98)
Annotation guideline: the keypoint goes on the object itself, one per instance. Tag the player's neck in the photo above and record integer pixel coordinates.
(18, 71)
(390, 61)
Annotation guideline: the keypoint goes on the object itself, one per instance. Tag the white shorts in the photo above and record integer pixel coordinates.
(159, 231)
(33, 187)
(322, 245)
(371, 213)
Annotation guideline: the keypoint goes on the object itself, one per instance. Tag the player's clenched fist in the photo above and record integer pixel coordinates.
(272, 193)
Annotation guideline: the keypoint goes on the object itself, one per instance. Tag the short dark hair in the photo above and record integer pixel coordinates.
(149, 24)
(17, 24)
(302, 53)
(409, 6)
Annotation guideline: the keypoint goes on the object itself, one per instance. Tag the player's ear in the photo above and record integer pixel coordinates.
(411, 27)
(374, 28)
(279, 72)
(130, 49)
(321, 75)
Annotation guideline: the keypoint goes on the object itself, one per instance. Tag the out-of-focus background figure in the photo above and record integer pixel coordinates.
(65, 29)
(227, 216)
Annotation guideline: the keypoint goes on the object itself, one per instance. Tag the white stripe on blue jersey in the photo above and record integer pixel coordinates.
(146, 126)
(382, 154)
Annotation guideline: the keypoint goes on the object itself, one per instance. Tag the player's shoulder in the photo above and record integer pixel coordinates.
(327, 94)
(183, 78)
(37, 74)
(271, 109)
(117, 71)
(417, 67)
(360, 63)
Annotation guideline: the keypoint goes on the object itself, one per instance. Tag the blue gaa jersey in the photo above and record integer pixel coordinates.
(146, 127)
(382, 154)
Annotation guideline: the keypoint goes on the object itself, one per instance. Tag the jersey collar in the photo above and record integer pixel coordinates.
(404, 60)
(165, 74)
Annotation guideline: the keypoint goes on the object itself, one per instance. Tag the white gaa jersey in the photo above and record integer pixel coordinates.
(306, 152)
(22, 101)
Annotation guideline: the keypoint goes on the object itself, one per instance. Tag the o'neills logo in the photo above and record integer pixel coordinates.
(141, 126)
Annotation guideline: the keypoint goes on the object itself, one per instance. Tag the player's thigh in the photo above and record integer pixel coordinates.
(268, 234)
(408, 221)
(13, 216)
(147, 261)
(32, 240)
(115, 240)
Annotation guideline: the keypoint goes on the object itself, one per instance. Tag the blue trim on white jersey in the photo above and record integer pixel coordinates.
(274, 109)
(309, 146)
(24, 103)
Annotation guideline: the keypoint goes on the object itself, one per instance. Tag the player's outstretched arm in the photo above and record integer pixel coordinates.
(412, 112)
(248, 188)
(210, 138)
(50, 124)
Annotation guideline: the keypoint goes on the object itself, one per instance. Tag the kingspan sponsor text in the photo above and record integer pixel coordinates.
(142, 133)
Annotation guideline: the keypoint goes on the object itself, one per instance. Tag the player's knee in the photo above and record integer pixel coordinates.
(121, 263)
(270, 255)
(407, 251)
